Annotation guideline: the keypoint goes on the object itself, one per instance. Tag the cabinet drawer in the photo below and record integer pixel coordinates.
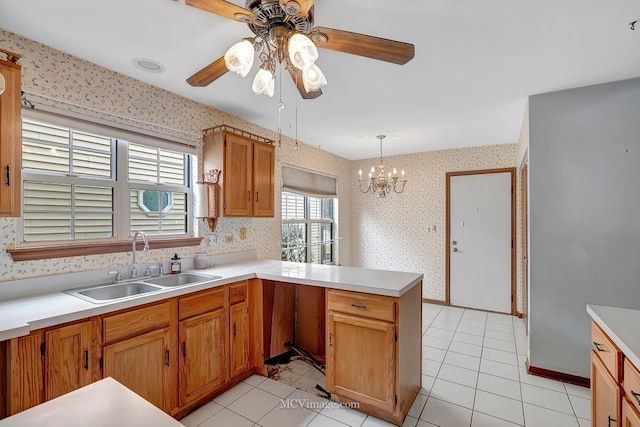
(360, 304)
(631, 384)
(137, 321)
(607, 351)
(238, 292)
(201, 302)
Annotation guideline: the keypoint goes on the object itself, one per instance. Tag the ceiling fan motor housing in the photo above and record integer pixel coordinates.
(269, 14)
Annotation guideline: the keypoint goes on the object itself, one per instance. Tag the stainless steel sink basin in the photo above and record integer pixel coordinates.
(117, 291)
(181, 279)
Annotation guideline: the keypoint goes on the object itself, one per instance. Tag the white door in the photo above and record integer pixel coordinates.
(480, 241)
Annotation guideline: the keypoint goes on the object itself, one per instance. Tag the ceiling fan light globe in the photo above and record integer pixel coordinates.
(239, 57)
(313, 78)
(262, 81)
(302, 51)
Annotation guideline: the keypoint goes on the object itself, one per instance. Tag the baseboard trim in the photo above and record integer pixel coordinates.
(558, 376)
(434, 301)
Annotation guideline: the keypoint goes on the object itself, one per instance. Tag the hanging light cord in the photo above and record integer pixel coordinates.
(280, 107)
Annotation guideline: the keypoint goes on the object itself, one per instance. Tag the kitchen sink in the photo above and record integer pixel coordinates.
(180, 279)
(117, 291)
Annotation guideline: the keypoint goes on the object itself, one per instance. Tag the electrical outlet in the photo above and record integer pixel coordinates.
(229, 238)
(243, 233)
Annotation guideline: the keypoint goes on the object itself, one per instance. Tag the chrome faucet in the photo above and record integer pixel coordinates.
(134, 266)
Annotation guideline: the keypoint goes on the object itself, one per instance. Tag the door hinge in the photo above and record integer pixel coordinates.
(224, 205)
(43, 348)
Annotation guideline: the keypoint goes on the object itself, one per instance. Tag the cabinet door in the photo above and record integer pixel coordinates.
(605, 395)
(237, 171)
(263, 164)
(25, 373)
(239, 337)
(144, 364)
(630, 417)
(203, 355)
(67, 359)
(10, 140)
(361, 359)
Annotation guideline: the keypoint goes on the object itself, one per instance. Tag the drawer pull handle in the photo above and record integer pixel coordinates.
(359, 306)
(636, 396)
(86, 360)
(239, 293)
(598, 348)
(610, 420)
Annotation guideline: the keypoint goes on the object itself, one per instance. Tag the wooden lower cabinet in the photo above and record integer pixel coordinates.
(605, 395)
(203, 352)
(25, 375)
(146, 365)
(47, 364)
(239, 338)
(68, 359)
(361, 359)
(630, 417)
(374, 351)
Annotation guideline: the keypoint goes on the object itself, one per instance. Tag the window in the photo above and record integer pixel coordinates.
(307, 229)
(81, 185)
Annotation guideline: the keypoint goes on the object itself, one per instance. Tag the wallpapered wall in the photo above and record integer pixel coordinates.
(388, 234)
(53, 74)
(393, 233)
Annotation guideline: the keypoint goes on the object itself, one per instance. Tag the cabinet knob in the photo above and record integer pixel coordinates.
(597, 346)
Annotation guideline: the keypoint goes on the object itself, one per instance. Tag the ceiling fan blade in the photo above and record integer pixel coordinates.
(296, 75)
(222, 8)
(296, 7)
(363, 45)
(209, 73)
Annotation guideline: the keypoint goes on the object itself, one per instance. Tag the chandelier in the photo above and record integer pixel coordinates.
(279, 44)
(382, 183)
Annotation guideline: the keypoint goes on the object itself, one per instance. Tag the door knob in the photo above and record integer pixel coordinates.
(455, 249)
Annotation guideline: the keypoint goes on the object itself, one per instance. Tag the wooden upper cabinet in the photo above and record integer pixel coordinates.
(263, 173)
(237, 185)
(10, 135)
(247, 164)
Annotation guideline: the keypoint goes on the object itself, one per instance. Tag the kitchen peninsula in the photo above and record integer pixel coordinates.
(366, 325)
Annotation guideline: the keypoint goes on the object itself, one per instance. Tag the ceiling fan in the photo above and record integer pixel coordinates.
(284, 34)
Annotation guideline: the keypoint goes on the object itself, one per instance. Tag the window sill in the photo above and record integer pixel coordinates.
(71, 250)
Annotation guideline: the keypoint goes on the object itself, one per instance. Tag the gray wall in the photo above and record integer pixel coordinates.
(584, 216)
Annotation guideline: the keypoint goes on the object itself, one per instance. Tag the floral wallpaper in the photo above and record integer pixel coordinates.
(50, 76)
(407, 231)
(404, 232)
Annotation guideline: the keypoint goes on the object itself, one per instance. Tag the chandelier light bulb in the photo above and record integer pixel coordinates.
(263, 83)
(239, 57)
(313, 79)
(303, 53)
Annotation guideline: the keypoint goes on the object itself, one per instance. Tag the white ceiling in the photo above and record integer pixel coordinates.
(475, 62)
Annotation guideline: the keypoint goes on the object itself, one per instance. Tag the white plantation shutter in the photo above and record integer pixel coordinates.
(70, 185)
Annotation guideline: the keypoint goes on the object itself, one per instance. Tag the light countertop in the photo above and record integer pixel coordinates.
(621, 325)
(20, 316)
(105, 403)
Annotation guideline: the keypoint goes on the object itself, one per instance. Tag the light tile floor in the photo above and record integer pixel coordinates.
(473, 375)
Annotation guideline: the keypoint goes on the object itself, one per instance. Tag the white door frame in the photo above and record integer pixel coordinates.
(512, 172)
